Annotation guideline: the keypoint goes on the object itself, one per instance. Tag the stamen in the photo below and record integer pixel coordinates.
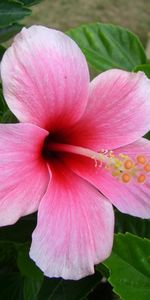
(115, 173)
(141, 159)
(126, 178)
(141, 178)
(121, 166)
(128, 164)
(147, 168)
(125, 169)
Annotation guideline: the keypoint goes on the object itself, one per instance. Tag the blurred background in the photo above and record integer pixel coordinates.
(65, 14)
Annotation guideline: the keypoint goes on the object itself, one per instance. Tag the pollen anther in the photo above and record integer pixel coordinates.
(126, 178)
(123, 167)
(141, 178)
(141, 159)
(128, 164)
(147, 168)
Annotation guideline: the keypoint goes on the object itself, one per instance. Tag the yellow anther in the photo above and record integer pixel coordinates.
(141, 178)
(147, 168)
(117, 162)
(141, 159)
(126, 168)
(126, 178)
(128, 164)
(115, 173)
(123, 156)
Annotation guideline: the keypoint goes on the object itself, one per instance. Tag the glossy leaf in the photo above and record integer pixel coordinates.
(8, 32)
(3, 106)
(103, 270)
(129, 266)
(125, 223)
(108, 46)
(33, 277)
(8, 255)
(27, 266)
(6, 116)
(30, 2)
(20, 231)
(11, 286)
(19, 272)
(147, 135)
(144, 68)
(60, 289)
(31, 288)
(2, 50)
(11, 11)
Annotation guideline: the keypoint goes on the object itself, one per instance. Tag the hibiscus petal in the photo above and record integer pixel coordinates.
(24, 175)
(131, 198)
(118, 111)
(45, 78)
(75, 227)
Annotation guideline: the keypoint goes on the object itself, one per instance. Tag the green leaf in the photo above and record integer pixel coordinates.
(31, 288)
(6, 116)
(129, 266)
(11, 283)
(27, 266)
(2, 50)
(108, 46)
(7, 32)
(11, 287)
(125, 223)
(144, 68)
(147, 135)
(30, 2)
(103, 270)
(16, 266)
(3, 106)
(33, 277)
(8, 253)
(20, 231)
(11, 11)
(60, 289)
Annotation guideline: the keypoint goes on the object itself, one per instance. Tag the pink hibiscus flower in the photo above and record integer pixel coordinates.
(75, 139)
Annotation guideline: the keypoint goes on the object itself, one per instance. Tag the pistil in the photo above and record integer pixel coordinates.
(80, 151)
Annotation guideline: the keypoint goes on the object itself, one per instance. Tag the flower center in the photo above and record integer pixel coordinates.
(121, 166)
